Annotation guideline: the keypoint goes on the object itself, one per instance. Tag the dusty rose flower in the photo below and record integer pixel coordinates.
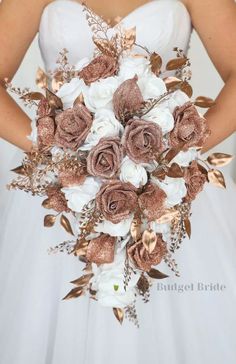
(190, 128)
(100, 67)
(105, 158)
(44, 108)
(142, 140)
(56, 199)
(46, 131)
(71, 178)
(116, 200)
(151, 201)
(101, 249)
(142, 258)
(73, 126)
(194, 180)
(127, 98)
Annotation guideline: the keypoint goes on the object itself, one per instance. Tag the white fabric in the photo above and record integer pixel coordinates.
(193, 327)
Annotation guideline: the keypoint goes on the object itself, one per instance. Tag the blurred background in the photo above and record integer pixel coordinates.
(205, 81)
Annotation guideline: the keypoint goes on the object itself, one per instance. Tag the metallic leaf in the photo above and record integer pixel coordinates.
(74, 293)
(175, 171)
(149, 240)
(81, 247)
(46, 203)
(187, 89)
(49, 220)
(83, 280)
(41, 78)
(32, 96)
(66, 224)
(172, 82)
(53, 100)
(19, 170)
(216, 177)
(172, 153)
(129, 38)
(219, 159)
(187, 225)
(119, 314)
(204, 102)
(105, 46)
(156, 274)
(135, 230)
(79, 99)
(168, 216)
(156, 63)
(176, 63)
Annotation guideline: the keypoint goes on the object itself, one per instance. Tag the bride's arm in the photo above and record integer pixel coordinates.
(19, 21)
(215, 22)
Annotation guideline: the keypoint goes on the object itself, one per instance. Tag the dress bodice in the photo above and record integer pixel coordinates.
(160, 26)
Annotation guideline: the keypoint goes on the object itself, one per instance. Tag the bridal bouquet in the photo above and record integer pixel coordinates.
(116, 154)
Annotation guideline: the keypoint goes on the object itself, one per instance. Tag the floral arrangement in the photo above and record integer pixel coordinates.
(116, 154)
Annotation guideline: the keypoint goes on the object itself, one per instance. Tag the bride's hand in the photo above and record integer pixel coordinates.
(19, 21)
(215, 22)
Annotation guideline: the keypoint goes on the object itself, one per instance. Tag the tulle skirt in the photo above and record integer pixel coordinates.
(189, 320)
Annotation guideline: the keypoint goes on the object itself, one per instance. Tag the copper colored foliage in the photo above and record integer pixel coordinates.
(142, 258)
(57, 200)
(116, 200)
(151, 201)
(101, 249)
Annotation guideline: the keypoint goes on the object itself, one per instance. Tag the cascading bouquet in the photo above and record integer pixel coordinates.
(116, 153)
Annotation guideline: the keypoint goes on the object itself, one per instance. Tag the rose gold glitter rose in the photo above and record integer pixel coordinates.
(116, 200)
(105, 158)
(142, 258)
(101, 67)
(194, 180)
(73, 126)
(127, 98)
(151, 201)
(101, 250)
(190, 128)
(57, 200)
(44, 108)
(46, 131)
(142, 140)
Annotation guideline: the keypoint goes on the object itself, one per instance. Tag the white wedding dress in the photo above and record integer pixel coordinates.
(191, 327)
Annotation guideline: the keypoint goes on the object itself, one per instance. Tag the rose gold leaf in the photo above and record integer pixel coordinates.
(82, 281)
(187, 226)
(175, 171)
(204, 102)
(172, 153)
(32, 96)
(74, 293)
(172, 82)
(119, 314)
(46, 203)
(53, 100)
(66, 224)
(81, 247)
(129, 38)
(79, 99)
(168, 216)
(176, 63)
(156, 63)
(149, 240)
(57, 81)
(19, 170)
(135, 230)
(49, 220)
(219, 159)
(156, 274)
(202, 169)
(187, 89)
(41, 78)
(216, 177)
(105, 46)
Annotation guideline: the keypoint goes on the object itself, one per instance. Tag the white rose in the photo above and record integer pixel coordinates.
(104, 125)
(131, 66)
(185, 158)
(78, 196)
(178, 98)
(174, 188)
(163, 229)
(151, 86)
(70, 91)
(108, 281)
(133, 173)
(120, 229)
(100, 93)
(161, 116)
